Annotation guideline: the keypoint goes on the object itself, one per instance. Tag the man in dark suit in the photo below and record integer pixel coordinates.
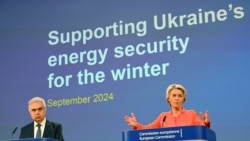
(40, 127)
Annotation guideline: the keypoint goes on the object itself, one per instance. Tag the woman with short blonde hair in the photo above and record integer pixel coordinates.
(176, 95)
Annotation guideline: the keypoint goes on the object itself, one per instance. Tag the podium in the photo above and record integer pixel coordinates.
(35, 139)
(181, 133)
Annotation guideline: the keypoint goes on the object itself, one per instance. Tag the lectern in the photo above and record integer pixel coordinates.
(181, 133)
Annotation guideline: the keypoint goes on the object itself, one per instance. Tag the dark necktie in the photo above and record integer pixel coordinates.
(38, 133)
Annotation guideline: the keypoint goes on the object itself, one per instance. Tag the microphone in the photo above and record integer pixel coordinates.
(164, 118)
(13, 132)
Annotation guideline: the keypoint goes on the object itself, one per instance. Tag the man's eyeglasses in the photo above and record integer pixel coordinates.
(38, 109)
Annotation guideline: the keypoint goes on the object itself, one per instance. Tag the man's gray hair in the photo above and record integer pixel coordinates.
(37, 99)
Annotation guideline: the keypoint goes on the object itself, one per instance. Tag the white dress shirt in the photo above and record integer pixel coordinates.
(42, 127)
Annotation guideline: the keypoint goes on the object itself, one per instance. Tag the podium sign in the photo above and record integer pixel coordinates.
(181, 133)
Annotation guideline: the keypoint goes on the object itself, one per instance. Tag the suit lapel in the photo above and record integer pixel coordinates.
(47, 129)
(30, 131)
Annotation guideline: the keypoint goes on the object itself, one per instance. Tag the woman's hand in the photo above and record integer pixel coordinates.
(131, 120)
(205, 117)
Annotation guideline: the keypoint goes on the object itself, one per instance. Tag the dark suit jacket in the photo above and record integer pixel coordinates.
(52, 130)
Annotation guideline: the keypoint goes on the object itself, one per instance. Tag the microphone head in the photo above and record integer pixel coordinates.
(14, 130)
(164, 118)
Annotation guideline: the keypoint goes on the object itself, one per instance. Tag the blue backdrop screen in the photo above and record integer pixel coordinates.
(95, 62)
